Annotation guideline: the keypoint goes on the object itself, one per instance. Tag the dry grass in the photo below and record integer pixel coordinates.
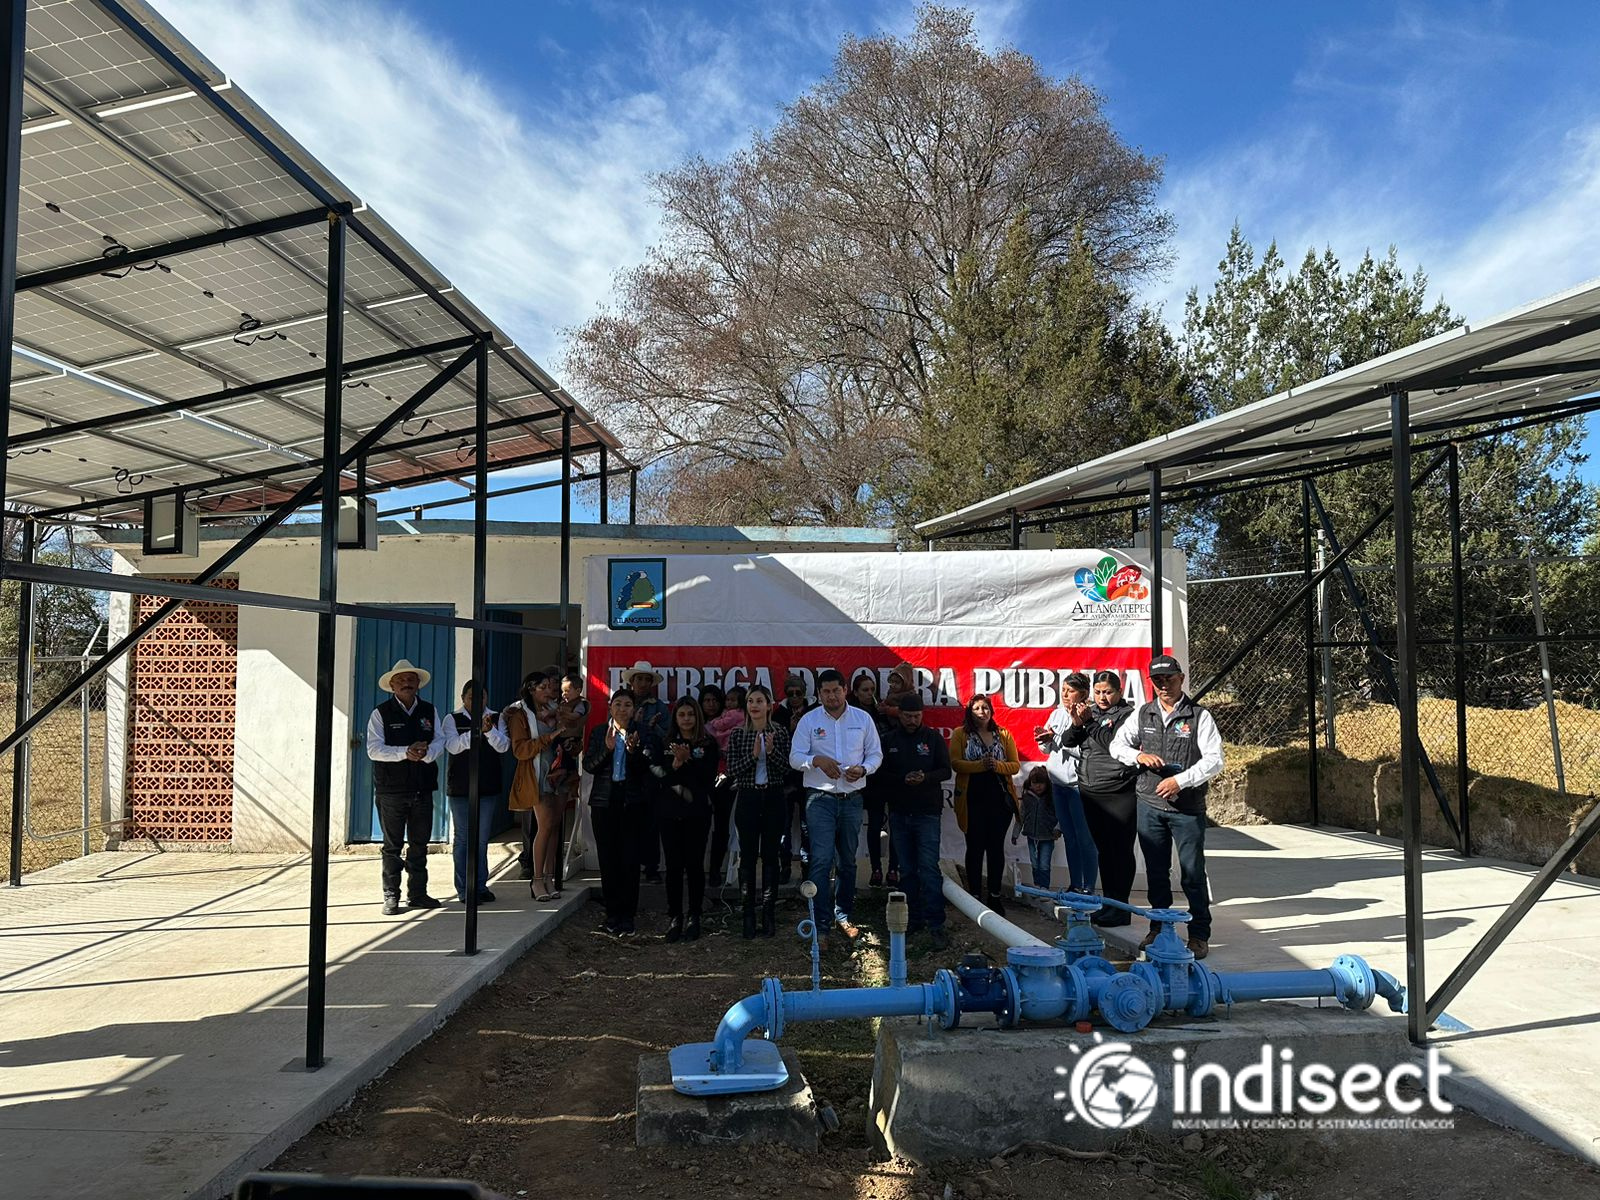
(56, 785)
(1511, 744)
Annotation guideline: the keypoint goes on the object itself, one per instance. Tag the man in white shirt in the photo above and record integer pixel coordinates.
(490, 784)
(404, 740)
(1178, 750)
(836, 746)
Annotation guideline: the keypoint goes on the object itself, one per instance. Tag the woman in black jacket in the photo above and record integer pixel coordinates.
(614, 758)
(758, 754)
(1109, 804)
(685, 766)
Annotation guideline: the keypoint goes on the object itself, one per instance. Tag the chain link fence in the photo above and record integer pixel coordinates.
(1529, 711)
(66, 766)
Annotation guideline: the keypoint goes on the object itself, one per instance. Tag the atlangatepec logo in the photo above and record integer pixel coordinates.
(1108, 581)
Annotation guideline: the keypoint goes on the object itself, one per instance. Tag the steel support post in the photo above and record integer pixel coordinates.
(1544, 675)
(566, 533)
(1158, 641)
(1458, 607)
(13, 38)
(1309, 566)
(633, 496)
(1016, 530)
(480, 641)
(605, 489)
(1325, 618)
(1405, 647)
(327, 628)
(19, 761)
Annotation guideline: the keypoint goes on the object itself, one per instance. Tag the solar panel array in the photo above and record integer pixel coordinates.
(120, 151)
(1553, 345)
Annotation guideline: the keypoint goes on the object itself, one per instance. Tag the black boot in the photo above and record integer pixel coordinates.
(675, 929)
(691, 929)
(769, 914)
(749, 917)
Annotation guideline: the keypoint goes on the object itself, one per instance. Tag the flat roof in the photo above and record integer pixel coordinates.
(1535, 363)
(844, 537)
(146, 322)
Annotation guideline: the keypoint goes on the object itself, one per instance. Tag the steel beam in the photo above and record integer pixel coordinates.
(605, 495)
(1376, 652)
(327, 652)
(633, 496)
(179, 246)
(1336, 563)
(13, 40)
(1015, 528)
(494, 494)
(281, 513)
(226, 395)
(1508, 920)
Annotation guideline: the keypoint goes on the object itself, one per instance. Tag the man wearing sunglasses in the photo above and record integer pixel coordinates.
(1178, 750)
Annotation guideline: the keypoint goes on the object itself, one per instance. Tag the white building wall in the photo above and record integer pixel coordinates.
(277, 649)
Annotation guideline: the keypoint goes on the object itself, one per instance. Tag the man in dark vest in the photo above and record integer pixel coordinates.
(404, 740)
(456, 778)
(1175, 744)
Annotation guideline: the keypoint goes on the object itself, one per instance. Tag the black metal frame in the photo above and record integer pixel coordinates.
(327, 485)
(1401, 449)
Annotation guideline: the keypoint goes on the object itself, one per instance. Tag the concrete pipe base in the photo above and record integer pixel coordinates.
(785, 1117)
(976, 1092)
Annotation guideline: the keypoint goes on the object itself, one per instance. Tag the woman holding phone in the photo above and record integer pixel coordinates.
(758, 754)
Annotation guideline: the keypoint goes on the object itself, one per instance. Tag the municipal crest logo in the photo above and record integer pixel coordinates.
(638, 593)
(1108, 581)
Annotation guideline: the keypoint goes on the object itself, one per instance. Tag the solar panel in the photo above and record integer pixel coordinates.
(120, 153)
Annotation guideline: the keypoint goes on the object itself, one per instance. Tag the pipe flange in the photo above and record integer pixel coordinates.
(1008, 1016)
(944, 984)
(1354, 985)
(1128, 1002)
(1204, 988)
(772, 996)
(1080, 1001)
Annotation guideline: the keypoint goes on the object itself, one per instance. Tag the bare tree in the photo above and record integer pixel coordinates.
(773, 356)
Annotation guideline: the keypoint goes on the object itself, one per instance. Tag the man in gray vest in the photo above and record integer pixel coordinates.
(1175, 744)
(404, 740)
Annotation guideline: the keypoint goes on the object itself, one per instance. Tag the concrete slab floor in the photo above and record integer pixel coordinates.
(152, 1005)
(1285, 896)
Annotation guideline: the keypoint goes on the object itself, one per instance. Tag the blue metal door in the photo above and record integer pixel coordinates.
(380, 644)
(505, 677)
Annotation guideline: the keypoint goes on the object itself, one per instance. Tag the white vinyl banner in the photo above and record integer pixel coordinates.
(1010, 624)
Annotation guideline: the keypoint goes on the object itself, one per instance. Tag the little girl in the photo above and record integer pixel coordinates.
(1037, 822)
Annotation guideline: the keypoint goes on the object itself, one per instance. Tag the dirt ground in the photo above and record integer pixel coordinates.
(529, 1091)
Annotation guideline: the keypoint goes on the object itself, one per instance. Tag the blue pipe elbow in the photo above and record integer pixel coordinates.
(739, 1022)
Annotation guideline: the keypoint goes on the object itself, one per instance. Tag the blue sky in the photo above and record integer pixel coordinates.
(513, 142)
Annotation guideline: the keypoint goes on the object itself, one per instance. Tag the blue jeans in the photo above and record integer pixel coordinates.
(1158, 830)
(458, 839)
(915, 837)
(1039, 855)
(1083, 860)
(834, 821)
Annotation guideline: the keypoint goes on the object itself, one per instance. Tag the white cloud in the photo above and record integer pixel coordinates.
(529, 194)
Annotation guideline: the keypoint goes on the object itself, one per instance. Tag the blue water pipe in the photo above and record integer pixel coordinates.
(1070, 980)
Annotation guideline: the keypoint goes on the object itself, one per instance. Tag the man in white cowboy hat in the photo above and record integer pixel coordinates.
(404, 739)
(650, 717)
